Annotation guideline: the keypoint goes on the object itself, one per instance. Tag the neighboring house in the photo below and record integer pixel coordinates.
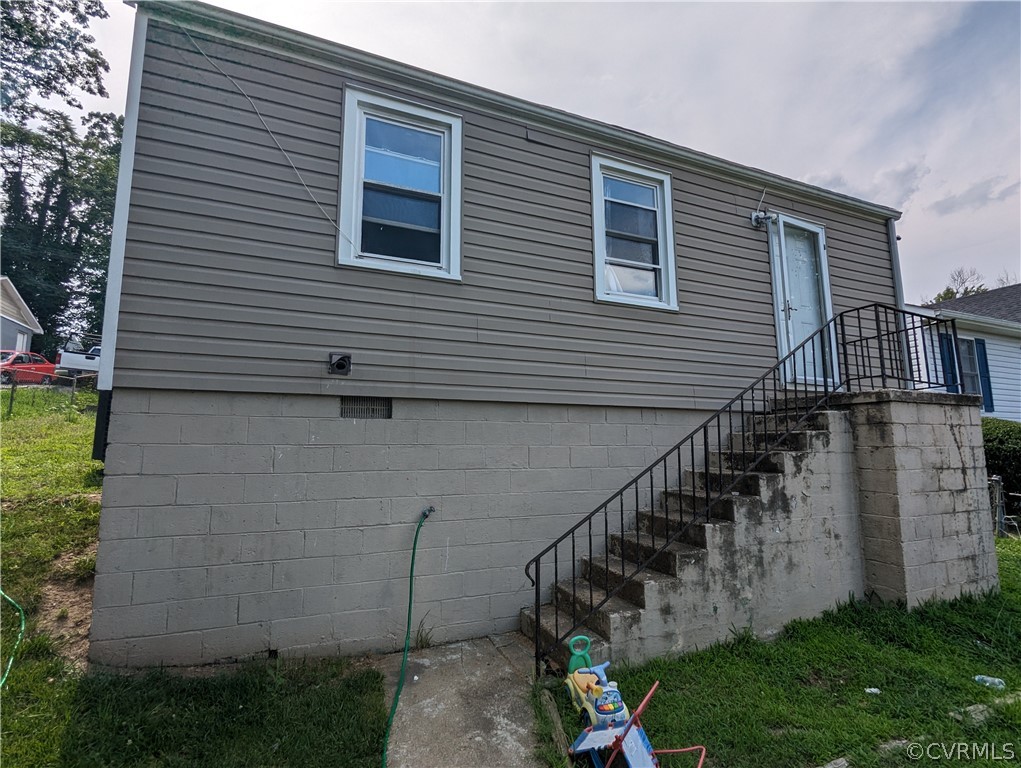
(17, 323)
(523, 308)
(989, 344)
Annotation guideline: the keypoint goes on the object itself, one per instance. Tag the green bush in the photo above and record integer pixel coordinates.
(1003, 454)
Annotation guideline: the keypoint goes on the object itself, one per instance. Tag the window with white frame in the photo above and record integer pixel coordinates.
(971, 382)
(400, 187)
(634, 237)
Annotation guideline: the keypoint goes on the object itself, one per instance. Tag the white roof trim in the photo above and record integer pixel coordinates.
(20, 303)
(992, 323)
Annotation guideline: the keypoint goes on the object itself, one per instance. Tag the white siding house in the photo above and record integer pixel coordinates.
(989, 343)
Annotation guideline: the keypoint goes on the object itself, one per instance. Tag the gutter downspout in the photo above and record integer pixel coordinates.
(898, 282)
(898, 290)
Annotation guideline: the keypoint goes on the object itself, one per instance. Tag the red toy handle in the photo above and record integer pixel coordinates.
(701, 759)
(618, 741)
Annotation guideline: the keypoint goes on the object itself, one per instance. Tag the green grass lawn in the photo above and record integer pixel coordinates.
(800, 700)
(327, 713)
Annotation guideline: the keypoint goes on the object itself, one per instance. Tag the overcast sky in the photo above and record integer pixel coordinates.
(912, 105)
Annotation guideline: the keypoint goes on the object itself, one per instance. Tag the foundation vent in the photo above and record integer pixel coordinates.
(352, 407)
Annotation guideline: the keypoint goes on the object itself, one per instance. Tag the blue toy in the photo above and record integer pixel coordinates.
(610, 726)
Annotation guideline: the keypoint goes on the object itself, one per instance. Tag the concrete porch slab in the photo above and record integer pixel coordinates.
(468, 708)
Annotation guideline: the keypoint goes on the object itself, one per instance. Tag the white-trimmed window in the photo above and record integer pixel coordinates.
(400, 187)
(634, 235)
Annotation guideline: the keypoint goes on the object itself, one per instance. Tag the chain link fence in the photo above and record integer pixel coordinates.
(27, 393)
(1006, 525)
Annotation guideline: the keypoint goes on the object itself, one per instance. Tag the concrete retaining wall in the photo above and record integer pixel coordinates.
(923, 495)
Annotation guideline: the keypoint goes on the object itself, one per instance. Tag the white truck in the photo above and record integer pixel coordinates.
(74, 359)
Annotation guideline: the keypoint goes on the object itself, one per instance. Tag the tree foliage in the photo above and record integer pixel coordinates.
(59, 190)
(59, 180)
(962, 282)
(47, 53)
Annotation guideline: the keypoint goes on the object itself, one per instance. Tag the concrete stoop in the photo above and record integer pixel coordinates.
(783, 545)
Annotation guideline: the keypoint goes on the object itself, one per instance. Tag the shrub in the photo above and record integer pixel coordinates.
(1003, 454)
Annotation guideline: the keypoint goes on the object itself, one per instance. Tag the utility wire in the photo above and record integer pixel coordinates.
(265, 125)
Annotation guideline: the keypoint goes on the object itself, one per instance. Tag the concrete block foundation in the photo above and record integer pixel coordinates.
(234, 525)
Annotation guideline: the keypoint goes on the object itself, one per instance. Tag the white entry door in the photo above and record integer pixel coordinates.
(801, 290)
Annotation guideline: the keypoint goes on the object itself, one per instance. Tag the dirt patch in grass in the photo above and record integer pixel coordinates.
(65, 607)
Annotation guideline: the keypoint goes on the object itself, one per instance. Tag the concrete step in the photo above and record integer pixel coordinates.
(752, 484)
(801, 401)
(614, 571)
(638, 547)
(551, 625)
(800, 440)
(696, 534)
(690, 502)
(577, 597)
(782, 422)
(736, 460)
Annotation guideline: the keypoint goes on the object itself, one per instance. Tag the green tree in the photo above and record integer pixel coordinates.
(962, 282)
(59, 190)
(47, 52)
(59, 181)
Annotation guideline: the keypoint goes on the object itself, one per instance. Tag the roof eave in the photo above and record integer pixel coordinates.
(991, 322)
(26, 312)
(238, 26)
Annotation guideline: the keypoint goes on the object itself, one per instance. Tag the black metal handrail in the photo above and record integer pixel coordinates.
(868, 348)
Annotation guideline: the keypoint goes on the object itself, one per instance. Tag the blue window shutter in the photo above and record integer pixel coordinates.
(983, 374)
(948, 359)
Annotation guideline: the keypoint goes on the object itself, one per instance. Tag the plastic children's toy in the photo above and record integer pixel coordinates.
(611, 728)
(595, 697)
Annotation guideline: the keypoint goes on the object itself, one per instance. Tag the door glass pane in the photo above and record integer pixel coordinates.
(405, 209)
(804, 303)
(629, 192)
(804, 291)
(628, 219)
(631, 250)
(632, 280)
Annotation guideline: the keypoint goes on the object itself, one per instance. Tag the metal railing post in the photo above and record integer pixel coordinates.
(879, 345)
(957, 357)
(843, 349)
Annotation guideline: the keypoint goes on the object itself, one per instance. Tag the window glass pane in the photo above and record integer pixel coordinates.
(971, 384)
(400, 171)
(400, 242)
(631, 250)
(629, 192)
(403, 209)
(969, 361)
(630, 220)
(403, 140)
(632, 280)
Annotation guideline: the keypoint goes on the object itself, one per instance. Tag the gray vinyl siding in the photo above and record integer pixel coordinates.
(9, 330)
(231, 281)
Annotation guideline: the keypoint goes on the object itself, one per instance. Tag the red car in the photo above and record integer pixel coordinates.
(25, 368)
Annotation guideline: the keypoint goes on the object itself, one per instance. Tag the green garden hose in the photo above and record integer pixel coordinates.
(407, 637)
(21, 633)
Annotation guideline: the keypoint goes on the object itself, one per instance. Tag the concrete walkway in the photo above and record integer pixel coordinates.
(468, 708)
